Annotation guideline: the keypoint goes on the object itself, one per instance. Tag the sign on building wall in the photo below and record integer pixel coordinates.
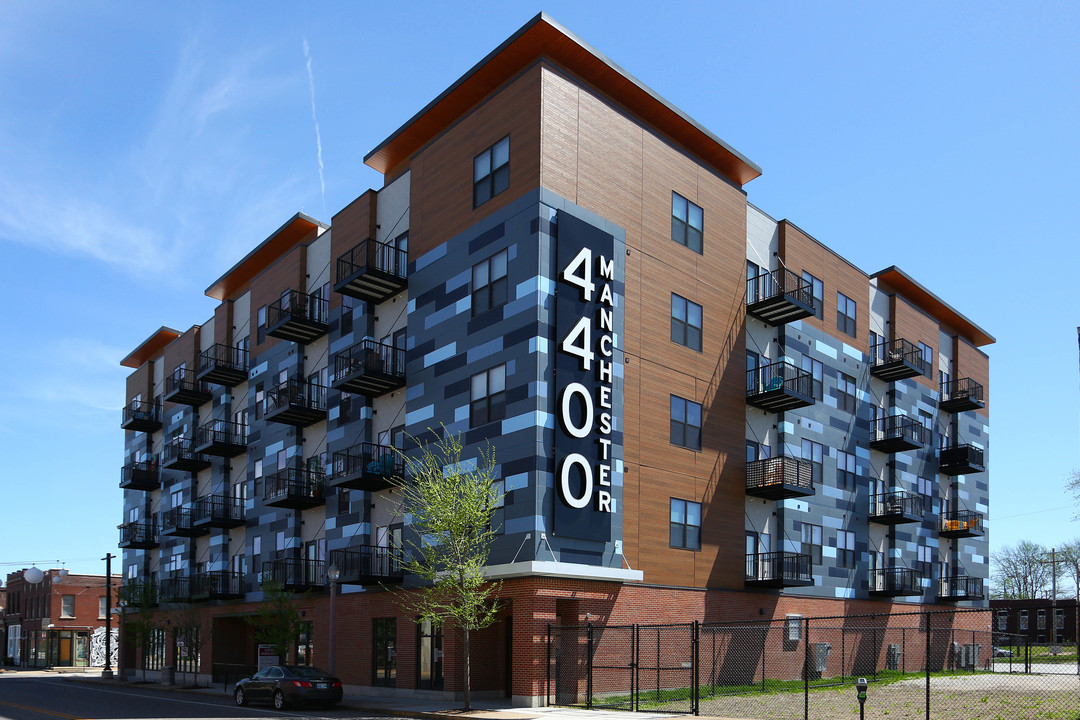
(588, 312)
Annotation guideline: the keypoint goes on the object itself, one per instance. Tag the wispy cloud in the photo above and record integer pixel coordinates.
(315, 119)
(76, 373)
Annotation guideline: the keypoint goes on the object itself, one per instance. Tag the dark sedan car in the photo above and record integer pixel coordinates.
(285, 685)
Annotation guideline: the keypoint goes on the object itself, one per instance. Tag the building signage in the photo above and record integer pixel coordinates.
(587, 443)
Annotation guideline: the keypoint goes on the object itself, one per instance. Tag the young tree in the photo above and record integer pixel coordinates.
(450, 503)
(1021, 570)
(139, 618)
(277, 622)
(191, 636)
(1072, 486)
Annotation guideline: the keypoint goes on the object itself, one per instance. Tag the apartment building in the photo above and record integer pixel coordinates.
(698, 411)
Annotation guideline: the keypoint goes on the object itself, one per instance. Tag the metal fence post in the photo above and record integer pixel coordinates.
(695, 662)
(634, 688)
(547, 688)
(806, 669)
(926, 663)
(903, 651)
(657, 664)
(764, 638)
(588, 665)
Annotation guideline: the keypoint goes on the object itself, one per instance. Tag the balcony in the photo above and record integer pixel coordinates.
(961, 460)
(372, 271)
(960, 587)
(961, 523)
(778, 570)
(779, 478)
(221, 438)
(298, 316)
(137, 594)
(175, 590)
(369, 368)
(293, 488)
(138, 536)
(296, 574)
(180, 454)
(894, 582)
(180, 522)
(368, 565)
(779, 297)
(366, 466)
(223, 365)
(141, 417)
(779, 386)
(185, 388)
(961, 395)
(216, 585)
(897, 433)
(896, 508)
(141, 476)
(897, 360)
(218, 511)
(295, 402)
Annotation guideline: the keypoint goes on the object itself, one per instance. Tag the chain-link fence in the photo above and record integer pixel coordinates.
(944, 665)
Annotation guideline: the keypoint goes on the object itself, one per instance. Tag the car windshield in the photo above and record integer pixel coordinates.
(306, 671)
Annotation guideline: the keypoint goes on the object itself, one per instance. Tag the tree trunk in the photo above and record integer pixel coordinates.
(468, 678)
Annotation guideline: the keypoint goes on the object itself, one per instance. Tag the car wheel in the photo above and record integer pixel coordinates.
(279, 700)
(239, 697)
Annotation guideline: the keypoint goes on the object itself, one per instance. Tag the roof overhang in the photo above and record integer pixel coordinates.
(150, 347)
(908, 287)
(281, 241)
(542, 37)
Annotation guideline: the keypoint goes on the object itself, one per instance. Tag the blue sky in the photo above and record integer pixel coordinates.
(145, 147)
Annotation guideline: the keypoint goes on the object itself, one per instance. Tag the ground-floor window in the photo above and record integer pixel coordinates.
(187, 649)
(385, 651)
(304, 644)
(429, 672)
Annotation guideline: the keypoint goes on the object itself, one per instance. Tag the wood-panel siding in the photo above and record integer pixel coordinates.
(223, 323)
(912, 324)
(969, 361)
(141, 382)
(349, 227)
(288, 273)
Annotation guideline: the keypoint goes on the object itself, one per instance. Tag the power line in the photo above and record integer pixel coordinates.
(1033, 512)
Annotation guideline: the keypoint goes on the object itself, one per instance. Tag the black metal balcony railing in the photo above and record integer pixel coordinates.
(216, 585)
(368, 564)
(961, 395)
(141, 416)
(898, 433)
(218, 511)
(896, 582)
(179, 454)
(779, 386)
(138, 536)
(779, 569)
(961, 523)
(961, 460)
(894, 508)
(369, 368)
(175, 589)
(222, 438)
(294, 488)
(372, 271)
(144, 475)
(298, 316)
(367, 466)
(136, 594)
(960, 587)
(295, 402)
(179, 522)
(779, 297)
(184, 387)
(779, 477)
(295, 573)
(223, 365)
(896, 360)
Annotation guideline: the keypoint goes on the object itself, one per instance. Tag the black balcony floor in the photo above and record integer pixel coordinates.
(898, 369)
(780, 491)
(780, 399)
(895, 517)
(961, 403)
(141, 423)
(363, 480)
(146, 480)
(298, 329)
(222, 446)
(369, 382)
(960, 528)
(186, 463)
(222, 374)
(780, 309)
(960, 468)
(294, 501)
(184, 531)
(895, 591)
(371, 284)
(779, 582)
(896, 443)
(142, 543)
(295, 415)
(217, 521)
(187, 395)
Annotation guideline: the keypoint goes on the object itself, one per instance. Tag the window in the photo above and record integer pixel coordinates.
(1023, 619)
(926, 561)
(876, 353)
(927, 353)
(817, 372)
(1040, 620)
(813, 453)
(926, 487)
(1059, 618)
(685, 524)
(845, 470)
(685, 322)
(753, 362)
(811, 542)
(261, 325)
(67, 606)
(1002, 619)
(794, 627)
(686, 222)
(685, 423)
(753, 293)
(258, 401)
(346, 314)
(385, 651)
(846, 312)
(845, 392)
(489, 283)
(818, 289)
(429, 675)
(342, 501)
(943, 382)
(491, 172)
(101, 607)
(488, 396)
(845, 548)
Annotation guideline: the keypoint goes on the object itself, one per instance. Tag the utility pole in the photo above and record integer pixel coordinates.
(1052, 562)
(107, 672)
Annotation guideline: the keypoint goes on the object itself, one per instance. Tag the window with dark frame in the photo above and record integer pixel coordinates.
(343, 501)
(261, 325)
(811, 542)
(927, 354)
(491, 172)
(814, 453)
(845, 470)
(1040, 619)
(818, 290)
(685, 524)
(846, 313)
(687, 222)
(487, 402)
(875, 351)
(685, 423)
(67, 606)
(384, 652)
(685, 322)
(490, 287)
(845, 392)
(1002, 619)
(817, 375)
(752, 290)
(926, 561)
(429, 640)
(845, 548)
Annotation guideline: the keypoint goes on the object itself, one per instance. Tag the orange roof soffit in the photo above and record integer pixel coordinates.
(150, 347)
(910, 289)
(282, 240)
(542, 37)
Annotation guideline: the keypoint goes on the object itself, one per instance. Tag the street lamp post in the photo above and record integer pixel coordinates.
(332, 574)
(107, 672)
